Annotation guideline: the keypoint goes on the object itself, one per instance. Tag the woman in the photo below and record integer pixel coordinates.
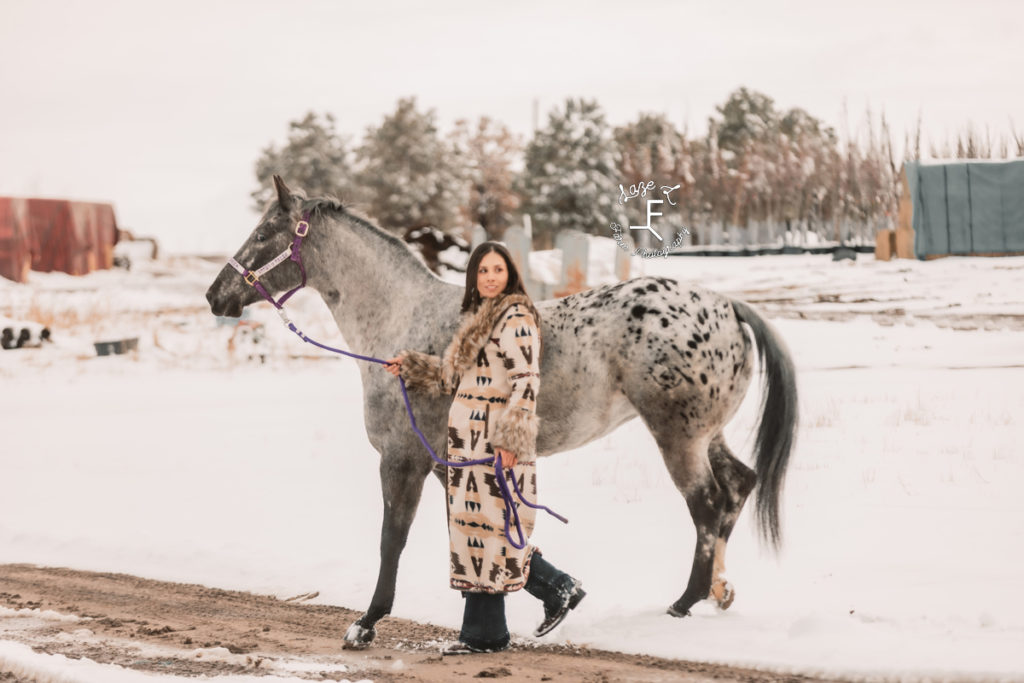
(493, 367)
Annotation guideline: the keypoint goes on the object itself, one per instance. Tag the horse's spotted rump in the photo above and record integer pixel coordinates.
(673, 342)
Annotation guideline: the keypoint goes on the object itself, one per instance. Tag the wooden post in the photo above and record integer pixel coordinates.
(885, 245)
(905, 220)
(623, 259)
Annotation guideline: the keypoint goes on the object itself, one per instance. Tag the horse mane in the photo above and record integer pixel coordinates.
(331, 204)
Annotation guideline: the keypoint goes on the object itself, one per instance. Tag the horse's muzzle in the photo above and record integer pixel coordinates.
(221, 302)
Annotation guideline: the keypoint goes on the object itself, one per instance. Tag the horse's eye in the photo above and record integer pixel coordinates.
(260, 237)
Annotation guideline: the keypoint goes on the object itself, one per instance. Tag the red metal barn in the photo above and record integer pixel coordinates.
(56, 234)
(15, 251)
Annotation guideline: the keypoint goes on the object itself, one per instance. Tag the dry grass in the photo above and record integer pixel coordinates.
(92, 314)
(826, 416)
(911, 413)
(42, 310)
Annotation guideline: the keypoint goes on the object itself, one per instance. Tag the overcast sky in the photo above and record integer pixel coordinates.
(163, 107)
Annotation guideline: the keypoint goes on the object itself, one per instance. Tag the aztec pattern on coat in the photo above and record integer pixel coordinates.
(493, 365)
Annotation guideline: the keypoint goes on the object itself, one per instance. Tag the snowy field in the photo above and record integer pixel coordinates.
(903, 510)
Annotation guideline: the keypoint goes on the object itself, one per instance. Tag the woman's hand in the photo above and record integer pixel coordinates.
(394, 365)
(508, 458)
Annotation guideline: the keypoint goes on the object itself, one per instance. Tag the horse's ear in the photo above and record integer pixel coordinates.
(284, 195)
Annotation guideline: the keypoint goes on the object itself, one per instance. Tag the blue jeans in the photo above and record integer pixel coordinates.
(483, 621)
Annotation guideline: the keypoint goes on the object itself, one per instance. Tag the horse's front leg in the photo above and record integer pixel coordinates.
(401, 478)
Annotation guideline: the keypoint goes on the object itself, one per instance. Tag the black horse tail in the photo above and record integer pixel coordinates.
(776, 431)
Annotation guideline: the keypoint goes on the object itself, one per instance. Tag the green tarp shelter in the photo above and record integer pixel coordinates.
(967, 207)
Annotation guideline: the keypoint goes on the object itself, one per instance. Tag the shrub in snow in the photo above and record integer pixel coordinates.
(18, 334)
(249, 341)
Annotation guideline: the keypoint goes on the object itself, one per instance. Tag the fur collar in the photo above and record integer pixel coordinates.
(474, 331)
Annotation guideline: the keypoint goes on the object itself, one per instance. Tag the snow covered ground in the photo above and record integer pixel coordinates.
(903, 512)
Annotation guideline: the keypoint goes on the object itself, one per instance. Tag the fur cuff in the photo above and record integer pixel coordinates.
(450, 377)
(516, 431)
(421, 372)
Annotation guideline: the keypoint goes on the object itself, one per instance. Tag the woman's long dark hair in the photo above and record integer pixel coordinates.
(472, 299)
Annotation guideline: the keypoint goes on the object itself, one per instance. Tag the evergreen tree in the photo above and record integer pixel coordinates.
(315, 159)
(747, 116)
(408, 172)
(569, 179)
(485, 153)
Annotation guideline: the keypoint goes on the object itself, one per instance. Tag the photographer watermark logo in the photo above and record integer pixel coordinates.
(641, 190)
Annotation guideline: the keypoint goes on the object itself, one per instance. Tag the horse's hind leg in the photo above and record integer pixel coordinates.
(737, 480)
(690, 469)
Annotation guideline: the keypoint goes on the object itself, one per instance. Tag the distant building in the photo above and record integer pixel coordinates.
(961, 207)
(55, 234)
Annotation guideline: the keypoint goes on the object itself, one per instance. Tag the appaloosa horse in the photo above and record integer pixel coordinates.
(674, 354)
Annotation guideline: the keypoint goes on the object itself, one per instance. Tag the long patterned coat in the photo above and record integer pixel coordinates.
(493, 367)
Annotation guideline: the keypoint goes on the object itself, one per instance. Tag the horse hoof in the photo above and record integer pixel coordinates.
(358, 637)
(676, 612)
(723, 594)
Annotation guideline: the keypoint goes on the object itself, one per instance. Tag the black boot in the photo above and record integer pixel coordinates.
(559, 592)
(483, 625)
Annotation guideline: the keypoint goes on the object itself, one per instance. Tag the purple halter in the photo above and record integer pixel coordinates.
(252, 278)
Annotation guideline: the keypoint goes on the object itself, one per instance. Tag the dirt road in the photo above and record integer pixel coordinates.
(191, 630)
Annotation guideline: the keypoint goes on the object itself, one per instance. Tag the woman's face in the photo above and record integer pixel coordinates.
(492, 275)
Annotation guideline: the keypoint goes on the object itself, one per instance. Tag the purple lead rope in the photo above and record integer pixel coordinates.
(510, 504)
(511, 511)
(294, 254)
